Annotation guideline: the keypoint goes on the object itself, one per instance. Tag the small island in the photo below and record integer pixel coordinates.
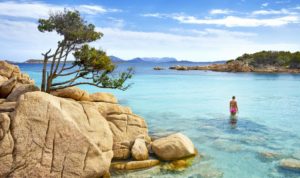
(261, 62)
(158, 68)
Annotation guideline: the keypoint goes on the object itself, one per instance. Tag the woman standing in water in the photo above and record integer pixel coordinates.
(233, 107)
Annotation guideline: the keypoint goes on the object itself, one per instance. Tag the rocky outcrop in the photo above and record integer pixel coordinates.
(234, 66)
(173, 147)
(78, 94)
(19, 90)
(6, 145)
(139, 150)
(8, 71)
(158, 68)
(125, 126)
(237, 66)
(73, 133)
(11, 78)
(7, 86)
(103, 97)
(7, 106)
(59, 138)
(73, 93)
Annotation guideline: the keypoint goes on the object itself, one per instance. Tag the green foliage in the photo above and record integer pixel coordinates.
(90, 63)
(295, 61)
(91, 58)
(229, 61)
(71, 26)
(272, 58)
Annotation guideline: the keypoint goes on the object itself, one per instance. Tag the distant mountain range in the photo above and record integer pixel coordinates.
(135, 60)
(157, 60)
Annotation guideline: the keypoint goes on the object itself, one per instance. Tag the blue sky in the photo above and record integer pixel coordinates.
(205, 30)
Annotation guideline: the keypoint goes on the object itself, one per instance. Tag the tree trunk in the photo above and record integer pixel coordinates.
(43, 85)
(49, 82)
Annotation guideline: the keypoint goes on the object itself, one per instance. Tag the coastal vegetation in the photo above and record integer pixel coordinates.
(264, 62)
(90, 63)
(271, 58)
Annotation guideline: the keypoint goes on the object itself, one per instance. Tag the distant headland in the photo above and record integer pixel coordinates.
(261, 62)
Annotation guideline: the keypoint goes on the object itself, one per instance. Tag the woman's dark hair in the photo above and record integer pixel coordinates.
(233, 97)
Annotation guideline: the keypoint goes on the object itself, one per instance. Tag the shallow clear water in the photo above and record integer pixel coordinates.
(196, 103)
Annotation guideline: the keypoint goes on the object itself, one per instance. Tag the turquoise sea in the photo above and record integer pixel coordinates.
(196, 103)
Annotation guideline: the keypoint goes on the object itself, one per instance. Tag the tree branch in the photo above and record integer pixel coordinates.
(59, 59)
(81, 83)
(53, 60)
(70, 73)
(66, 82)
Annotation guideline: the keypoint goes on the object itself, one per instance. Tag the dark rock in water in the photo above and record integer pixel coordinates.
(158, 68)
(180, 68)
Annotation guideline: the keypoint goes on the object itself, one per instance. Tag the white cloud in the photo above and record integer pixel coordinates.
(233, 21)
(282, 2)
(89, 9)
(156, 15)
(229, 33)
(273, 12)
(220, 11)
(116, 23)
(265, 4)
(26, 9)
(212, 32)
(288, 17)
(221, 45)
(21, 41)
(37, 9)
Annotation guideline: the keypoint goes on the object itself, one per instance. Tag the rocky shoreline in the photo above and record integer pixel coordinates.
(237, 66)
(71, 133)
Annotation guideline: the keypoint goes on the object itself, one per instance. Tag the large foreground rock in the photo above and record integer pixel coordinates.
(18, 91)
(125, 126)
(173, 147)
(7, 86)
(11, 78)
(6, 145)
(8, 71)
(55, 137)
(7, 106)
